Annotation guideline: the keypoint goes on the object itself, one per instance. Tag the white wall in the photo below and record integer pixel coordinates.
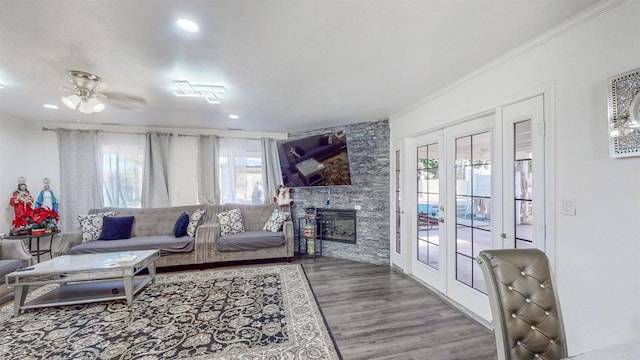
(25, 150)
(598, 250)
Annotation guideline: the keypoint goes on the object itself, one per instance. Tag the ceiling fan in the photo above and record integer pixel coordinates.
(86, 97)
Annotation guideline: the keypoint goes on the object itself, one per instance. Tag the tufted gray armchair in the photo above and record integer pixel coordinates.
(526, 313)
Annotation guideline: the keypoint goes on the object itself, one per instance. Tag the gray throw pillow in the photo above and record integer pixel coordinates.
(230, 222)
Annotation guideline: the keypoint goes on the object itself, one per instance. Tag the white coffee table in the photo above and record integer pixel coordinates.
(85, 278)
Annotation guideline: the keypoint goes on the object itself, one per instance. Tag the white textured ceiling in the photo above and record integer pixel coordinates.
(287, 65)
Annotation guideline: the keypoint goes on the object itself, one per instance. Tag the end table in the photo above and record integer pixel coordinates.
(308, 234)
(37, 252)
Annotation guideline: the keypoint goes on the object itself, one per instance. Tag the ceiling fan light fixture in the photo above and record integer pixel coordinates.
(90, 106)
(71, 101)
(98, 107)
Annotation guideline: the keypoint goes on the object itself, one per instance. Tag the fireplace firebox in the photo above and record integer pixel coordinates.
(336, 224)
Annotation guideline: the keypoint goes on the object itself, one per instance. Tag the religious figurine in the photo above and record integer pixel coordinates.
(21, 200)
(47, 199)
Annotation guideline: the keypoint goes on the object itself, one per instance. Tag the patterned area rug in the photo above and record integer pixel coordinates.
(266, 312)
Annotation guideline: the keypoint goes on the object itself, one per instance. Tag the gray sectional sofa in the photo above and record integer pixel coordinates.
(153, 229)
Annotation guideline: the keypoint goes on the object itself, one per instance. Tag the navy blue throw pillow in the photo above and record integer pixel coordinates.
(116, 228)
(180, 228)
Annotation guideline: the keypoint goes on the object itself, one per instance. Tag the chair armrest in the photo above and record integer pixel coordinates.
(15, 249)
(206, 237)
(62, 244)
(289, 236)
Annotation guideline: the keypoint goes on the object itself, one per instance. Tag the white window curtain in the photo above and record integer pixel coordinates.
(121, 160)
(240, 164)
(155, 183)
(271, 172)
(79, 176)
(208, 176)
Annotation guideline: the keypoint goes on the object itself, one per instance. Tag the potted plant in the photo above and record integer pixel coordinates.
(38, 221)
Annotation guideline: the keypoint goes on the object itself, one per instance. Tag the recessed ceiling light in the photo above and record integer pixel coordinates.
(188, 26)
(233, 116)
(50, 106)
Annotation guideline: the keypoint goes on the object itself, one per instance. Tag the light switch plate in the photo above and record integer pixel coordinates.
(568, 207)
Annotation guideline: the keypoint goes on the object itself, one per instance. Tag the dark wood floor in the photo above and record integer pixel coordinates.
(375, 312)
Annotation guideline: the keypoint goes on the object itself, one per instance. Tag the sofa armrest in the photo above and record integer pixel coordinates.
(62, 244)
(15, 249)
(206, 237)
(289, 236)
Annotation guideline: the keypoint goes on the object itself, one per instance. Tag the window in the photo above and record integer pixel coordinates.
(240, 171)
(122, 157)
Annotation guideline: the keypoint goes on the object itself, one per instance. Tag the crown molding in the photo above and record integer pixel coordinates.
(558, 30)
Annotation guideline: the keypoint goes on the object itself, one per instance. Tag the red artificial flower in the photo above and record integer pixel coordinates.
(37, 216)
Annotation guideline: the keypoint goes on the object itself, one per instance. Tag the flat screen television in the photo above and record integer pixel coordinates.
(316, 160)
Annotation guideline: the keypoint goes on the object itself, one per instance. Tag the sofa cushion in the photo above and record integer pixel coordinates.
(7, 267)
(91, 225)
(250, 240)
(180, 228)
(277, 218)
(116, 227)
(194, 221)
(230, 222)
(167, 244)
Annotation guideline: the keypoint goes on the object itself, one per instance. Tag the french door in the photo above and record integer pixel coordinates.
(473, 166)
(474, 190)
(398, 229)
(429, 248)
(524, 152)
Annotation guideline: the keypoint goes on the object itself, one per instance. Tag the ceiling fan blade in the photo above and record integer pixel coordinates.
(124, 101)
(67, 91)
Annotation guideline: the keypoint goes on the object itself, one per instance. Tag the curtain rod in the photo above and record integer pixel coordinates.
(120, 132)
(147, 132)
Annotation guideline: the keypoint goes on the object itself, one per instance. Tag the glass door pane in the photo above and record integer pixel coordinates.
(523, 184)
(398, 207)
(473, 205)
(524, 198)
(428, 212)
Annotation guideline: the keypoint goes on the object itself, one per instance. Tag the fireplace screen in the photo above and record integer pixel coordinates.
(337, 225)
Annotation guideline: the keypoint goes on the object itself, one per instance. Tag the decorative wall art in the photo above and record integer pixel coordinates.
(624, 114)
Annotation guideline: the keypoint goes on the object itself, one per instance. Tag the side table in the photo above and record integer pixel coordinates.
(37, 252)
(308, 234)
